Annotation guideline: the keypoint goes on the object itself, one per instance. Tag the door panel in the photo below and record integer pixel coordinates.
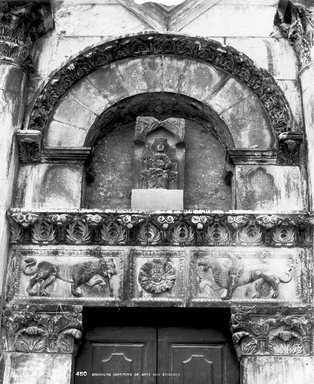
(115, 355)
(193, 356)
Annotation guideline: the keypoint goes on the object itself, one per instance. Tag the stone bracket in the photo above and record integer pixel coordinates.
(272, 330)
(29, 142)
(289, 148)
(42, 328)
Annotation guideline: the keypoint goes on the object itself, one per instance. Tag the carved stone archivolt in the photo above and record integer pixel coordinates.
(21, 24)
(168, 228)
(42, 328)
(296, 23)
(272, 331)
(206, 51)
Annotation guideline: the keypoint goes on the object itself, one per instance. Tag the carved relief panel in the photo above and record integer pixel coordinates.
(77, 275)
(159, 153)
(158, 275)
(247, 274)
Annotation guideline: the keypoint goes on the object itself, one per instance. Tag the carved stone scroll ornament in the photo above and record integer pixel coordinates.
(21, 23)
(45, 273)
(295, 23)
(157, 276)
(39, 328)
(275, 331)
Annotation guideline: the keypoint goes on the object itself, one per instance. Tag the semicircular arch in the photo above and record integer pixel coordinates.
(245, 98)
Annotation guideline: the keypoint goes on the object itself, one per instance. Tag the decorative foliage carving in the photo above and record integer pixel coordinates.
(45, 274)
(229, 276)
(177, 228)
(289, 150)
(42, 329)
(157, 276)
(296, 24)
(29, 146)
(207, 51)
(22, 24)
(279, 331)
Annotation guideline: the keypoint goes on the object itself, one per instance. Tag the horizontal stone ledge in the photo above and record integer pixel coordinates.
(183, 228)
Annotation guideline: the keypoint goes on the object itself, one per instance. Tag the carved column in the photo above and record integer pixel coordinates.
(274, 345)
(296, 24)
(40, 342)
(20, 25)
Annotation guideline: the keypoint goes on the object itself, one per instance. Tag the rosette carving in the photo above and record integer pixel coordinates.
(157, 276)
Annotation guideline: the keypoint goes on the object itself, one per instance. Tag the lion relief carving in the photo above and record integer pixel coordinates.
(90, 274)
(236, 273)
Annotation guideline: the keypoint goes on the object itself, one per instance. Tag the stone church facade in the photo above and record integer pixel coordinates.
(156, 164)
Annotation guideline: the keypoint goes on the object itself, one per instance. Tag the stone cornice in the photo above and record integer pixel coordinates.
(258, 330)
(42, 328)
(22, 23)
(187, 228)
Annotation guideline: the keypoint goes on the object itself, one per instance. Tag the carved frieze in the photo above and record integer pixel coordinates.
(168, 228)
(157, 276)
(42, 328)
(271, 331)
(247, 274)
(22, 23)
(46, 275)
(204, 50)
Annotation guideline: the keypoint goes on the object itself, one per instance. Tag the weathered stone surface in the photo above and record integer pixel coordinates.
(242, 20)
(37, 368)
(275, 55)
(47, 185)
(64, 135)
(270, 188)
(278, 370)
(157, 199)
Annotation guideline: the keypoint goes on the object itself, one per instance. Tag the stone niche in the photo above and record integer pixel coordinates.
(203, 176)
(159, 159)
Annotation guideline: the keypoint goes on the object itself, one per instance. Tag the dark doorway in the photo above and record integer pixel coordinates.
(156, 346)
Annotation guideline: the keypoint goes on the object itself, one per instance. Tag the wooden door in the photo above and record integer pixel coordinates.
(158, 352)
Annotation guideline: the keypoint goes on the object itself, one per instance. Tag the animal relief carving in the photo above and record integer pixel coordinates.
(259, 276)
(90, 274)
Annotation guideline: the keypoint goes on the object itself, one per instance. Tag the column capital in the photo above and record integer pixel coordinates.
(21, 24)
(42, 328)
(296, 23)
(265, 331)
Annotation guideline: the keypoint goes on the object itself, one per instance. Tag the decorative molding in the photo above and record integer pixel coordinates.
(295, 22)
(225, 58)
(70, 154)
(253, 156)
(22, 23)
(42, 328)
(29, 146)
(271, 331)
(185, 228)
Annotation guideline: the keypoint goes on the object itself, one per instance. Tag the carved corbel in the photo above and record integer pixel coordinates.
(29, 142)
(289, 148)
(271, 331)
(42, 328)
(296, 24)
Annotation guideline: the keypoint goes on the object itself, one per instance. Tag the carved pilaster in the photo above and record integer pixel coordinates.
(42, 328)
(295, 23)
(29, 146)
(21, 23)
(271, 331)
